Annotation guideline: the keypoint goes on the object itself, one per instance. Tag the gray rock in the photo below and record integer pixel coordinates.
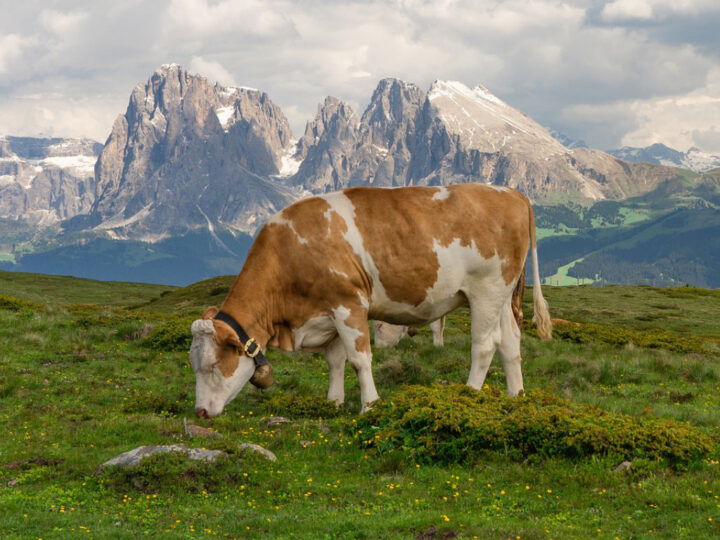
(135, 456)
(43, 181)
(191, 430)
(624, 466)
(191, 154)
(251, 447)
(277, 421)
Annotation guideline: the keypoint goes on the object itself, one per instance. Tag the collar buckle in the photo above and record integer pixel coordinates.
(248, 345)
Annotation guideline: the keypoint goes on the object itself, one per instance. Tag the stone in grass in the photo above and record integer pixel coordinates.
(251, 447)
(624, 466)
(278, 420)
(136, 455)
(191, 430)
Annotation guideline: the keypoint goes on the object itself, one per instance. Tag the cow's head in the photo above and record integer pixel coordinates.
(221, 366)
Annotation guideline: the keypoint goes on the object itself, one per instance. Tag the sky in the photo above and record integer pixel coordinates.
(609, 72)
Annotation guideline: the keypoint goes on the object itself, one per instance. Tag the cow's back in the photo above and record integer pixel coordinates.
(409, 233)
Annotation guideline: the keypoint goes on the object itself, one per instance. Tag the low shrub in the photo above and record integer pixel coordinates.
(455, 423)
(654, 338)
(298, 406)
(173, 471)
(10, 303)
(172, 335)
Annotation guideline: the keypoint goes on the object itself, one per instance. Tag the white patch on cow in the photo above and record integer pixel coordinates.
(212, 389)
(441, 194)
(463, 269)
(203, 348)
(498, 188)
(341, 314)
(363, 300)
(279, 219)
(315, 332)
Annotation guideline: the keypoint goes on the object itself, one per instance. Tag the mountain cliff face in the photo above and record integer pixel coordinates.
(190, 154)
(694, 159)
(44, 181)
(455, 134)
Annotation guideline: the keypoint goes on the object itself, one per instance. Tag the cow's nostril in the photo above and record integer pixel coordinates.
(202, 413)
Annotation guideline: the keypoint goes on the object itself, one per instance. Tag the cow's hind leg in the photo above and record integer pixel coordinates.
(335, 355)
(485, 306)
(508, 347)
(352, 327)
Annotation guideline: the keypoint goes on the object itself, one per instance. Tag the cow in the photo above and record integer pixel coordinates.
(322, 267)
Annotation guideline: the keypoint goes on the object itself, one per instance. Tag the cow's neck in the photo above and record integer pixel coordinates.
(252, 300)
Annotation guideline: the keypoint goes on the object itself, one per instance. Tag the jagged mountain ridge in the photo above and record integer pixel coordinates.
(190, 154)
(694, 159)
(46, 180)
(455, 134)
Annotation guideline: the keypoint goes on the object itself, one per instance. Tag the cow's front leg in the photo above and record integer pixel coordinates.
(335, 355)
(352, 328)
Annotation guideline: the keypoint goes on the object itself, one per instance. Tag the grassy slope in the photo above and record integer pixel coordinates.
(49, 289)
(77, 389)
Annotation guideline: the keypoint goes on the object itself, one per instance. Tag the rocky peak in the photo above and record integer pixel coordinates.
(182, 143)
(45, 180)
(393, 103)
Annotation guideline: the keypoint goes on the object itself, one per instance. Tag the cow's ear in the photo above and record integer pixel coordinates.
(210, 313)
(232, 339)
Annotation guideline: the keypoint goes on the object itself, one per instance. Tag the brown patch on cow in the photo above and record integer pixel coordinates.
(322, 273)
(496, 221)
(228, 351)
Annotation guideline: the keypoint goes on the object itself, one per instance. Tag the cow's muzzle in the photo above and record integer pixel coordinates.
(263, 376)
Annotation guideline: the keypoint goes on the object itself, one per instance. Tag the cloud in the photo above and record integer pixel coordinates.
(645, 10)
(594, 70)
(211, 70)
(11, 50)
(61, 23)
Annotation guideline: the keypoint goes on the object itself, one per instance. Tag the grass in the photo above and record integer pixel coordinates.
(85, 376)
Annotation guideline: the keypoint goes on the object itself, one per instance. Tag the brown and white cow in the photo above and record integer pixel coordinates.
(323, 266)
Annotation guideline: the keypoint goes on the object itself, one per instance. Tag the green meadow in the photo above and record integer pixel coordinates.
(90, 369)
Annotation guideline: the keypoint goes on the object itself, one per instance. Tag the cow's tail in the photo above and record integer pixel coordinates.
(541, 312)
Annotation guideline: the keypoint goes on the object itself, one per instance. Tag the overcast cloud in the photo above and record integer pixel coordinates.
(620, 72)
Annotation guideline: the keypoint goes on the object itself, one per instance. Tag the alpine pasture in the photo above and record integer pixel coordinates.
(89, 370)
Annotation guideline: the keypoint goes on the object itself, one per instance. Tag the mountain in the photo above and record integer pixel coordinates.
(566, 140)
(668, 236)
(192, 169)
(694, 159)
(44, 181)
(190, 154)
(456, 134)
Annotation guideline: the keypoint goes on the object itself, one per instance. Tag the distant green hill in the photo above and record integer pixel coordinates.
(670, 236)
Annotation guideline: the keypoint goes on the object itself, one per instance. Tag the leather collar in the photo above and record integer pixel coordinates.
(250, 346)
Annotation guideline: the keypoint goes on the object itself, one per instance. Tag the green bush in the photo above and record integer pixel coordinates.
(455, 423)
(10, 303)
(614, 335)
(173, 471)
(302, 406)
(172, 335)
